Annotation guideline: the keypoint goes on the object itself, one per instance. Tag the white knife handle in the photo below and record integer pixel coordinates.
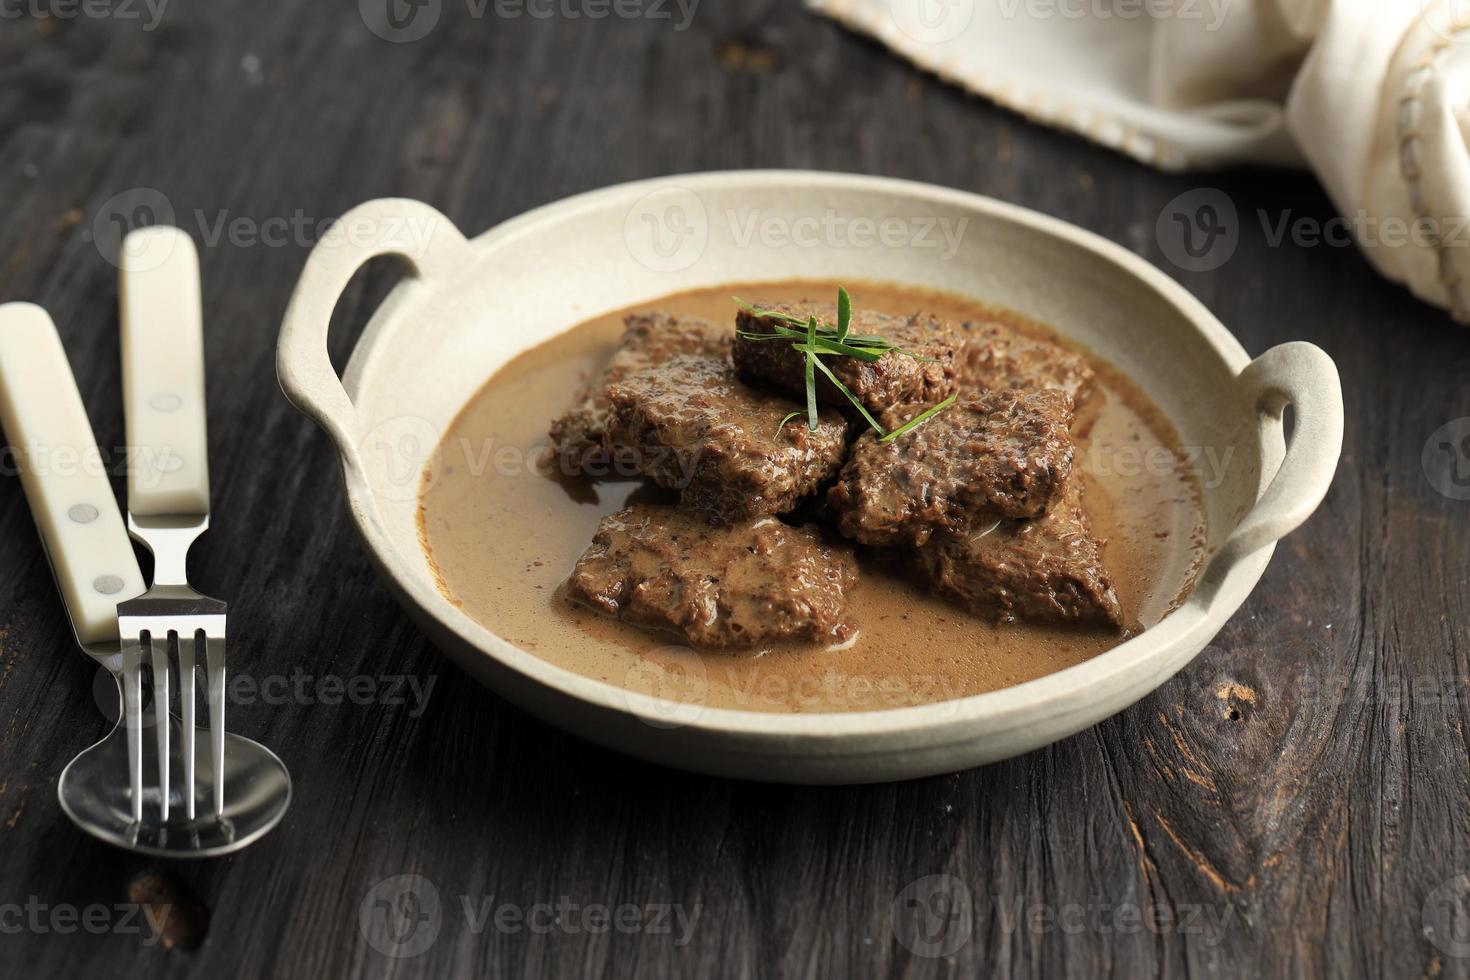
(163, 374)
(64, 476)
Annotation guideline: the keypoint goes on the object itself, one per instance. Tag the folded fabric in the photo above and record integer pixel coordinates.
(1373, 95)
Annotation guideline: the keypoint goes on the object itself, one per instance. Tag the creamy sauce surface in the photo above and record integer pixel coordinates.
(503, 535)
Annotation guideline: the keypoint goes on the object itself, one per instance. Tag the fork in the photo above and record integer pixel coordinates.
(168, 506)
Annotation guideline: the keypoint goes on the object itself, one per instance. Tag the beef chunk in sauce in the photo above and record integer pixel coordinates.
(690, 425)
(994, 453)
(997, 356)
(648, 338)
(891, 380)
(746, 584)
(1049, 569)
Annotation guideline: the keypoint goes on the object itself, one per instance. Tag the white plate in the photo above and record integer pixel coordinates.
(469, 306)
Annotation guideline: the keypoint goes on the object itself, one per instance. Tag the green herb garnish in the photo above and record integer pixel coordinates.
(811, 376)
(816, 340)
(919, 419)
(789, 416)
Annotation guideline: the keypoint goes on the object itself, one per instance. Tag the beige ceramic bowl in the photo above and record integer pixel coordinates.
(469, 306)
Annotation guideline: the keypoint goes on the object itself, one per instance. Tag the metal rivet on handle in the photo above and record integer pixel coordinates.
(107, 584)
(82, 513)
(165, 402)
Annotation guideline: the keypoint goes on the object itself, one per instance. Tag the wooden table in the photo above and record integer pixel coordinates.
(1297, 801)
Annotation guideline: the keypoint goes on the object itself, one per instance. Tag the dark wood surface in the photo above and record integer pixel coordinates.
(1296, 801)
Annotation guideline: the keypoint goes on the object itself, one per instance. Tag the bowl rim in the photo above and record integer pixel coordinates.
(1157, 652)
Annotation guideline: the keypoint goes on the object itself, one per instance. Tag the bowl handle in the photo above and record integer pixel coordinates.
(433, 248)
(1303, 376)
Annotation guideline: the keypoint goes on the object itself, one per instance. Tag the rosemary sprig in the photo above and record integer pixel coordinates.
(816, 340)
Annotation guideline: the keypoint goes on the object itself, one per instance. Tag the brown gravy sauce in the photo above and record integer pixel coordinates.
(502, 537)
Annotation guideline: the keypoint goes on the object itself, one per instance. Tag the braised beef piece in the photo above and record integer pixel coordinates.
(746, 584)
(648, 338)
(690, 425)
(994, 453)
(1047, 569)
(891, 380)
(997, 356)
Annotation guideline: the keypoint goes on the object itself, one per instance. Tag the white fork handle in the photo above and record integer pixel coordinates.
(163, 374)
(64, 476)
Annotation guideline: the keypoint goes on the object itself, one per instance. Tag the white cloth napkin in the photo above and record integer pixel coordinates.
(1373, 95)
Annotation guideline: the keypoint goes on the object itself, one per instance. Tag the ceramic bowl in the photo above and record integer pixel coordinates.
(467, 306)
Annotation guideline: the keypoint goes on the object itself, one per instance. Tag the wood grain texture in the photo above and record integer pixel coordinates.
(1303, 787)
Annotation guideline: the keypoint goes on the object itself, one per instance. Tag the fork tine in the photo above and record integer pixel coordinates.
(159, 647)
(187, 649)
(214, 647)
(132, 652)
